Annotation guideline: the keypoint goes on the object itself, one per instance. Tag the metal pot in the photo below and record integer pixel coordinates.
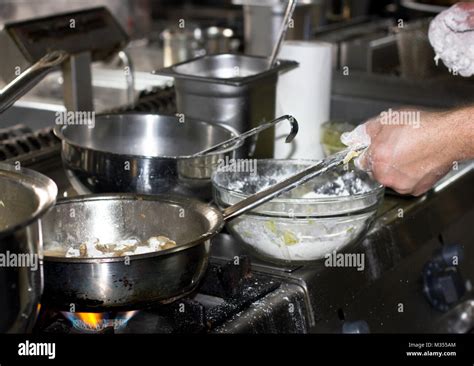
(142, 153)
(120, 283)
(25, 197)
(150, 154)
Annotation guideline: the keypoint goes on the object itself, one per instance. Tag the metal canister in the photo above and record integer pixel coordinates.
(237, 90)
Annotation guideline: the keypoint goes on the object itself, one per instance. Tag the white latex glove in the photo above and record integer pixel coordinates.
(452, 37)
(356, 137)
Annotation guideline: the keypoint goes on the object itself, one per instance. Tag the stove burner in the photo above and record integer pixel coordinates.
(226, 290)
(19, 142)
(99, 322)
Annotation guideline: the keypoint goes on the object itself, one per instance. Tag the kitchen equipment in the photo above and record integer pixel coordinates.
(395, 251)
(306, 91)
(142, 153)
(416, 54)
(263, 20)
(182, 44)
(86, 35)
(228, 89)
(322, 216)
(388, 249)
(26, 196)
(290, 9)
(29, 78)
(99, 284)
(364, 45)
(148, 153)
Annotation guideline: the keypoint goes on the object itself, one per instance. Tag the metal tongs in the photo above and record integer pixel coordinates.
(322, 166)
(252, 132)
(290, 9)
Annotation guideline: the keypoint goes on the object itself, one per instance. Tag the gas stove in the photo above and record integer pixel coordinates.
(228, 293)
(407, 284)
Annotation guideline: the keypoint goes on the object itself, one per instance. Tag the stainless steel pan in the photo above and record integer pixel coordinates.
(149, 154)
(25, 196)
(119, 283)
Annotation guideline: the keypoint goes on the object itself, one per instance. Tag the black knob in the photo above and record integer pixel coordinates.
(443, 284)
(355, 327)
(452, 255)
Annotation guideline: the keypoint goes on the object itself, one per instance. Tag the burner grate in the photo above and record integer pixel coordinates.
(19, 143)
(158, 100)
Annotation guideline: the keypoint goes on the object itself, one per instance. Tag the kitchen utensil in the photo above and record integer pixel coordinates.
(415, 51)
(263, 20)
(231, 89)
(96, 35)
(323, 215)
(98, 284)
(255, 131)
(148, 154)
(25, 197)
(290, 9)
(29, 78)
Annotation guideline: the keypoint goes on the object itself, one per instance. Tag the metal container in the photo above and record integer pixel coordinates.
(236, 90)
(306, 223)
(181, 44)
(415, 51)
(143, 153)
(25, 197)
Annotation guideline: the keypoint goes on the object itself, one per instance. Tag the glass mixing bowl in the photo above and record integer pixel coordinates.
(321, 216)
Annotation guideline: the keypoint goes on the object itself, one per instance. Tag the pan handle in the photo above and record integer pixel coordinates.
(292, 182)
(254, 131)
(29, 78)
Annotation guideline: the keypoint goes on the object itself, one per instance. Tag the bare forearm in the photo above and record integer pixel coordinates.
(460, 133)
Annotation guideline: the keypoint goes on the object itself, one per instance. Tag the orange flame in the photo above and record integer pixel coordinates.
(99, 321)
(91, 320)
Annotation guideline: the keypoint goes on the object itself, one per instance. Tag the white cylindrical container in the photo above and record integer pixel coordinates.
(304, 93)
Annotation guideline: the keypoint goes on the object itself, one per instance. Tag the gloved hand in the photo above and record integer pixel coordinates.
(451, 35)
(410, 157)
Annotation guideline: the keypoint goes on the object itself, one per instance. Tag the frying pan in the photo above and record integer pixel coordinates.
(119, 283)
(149, 154)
